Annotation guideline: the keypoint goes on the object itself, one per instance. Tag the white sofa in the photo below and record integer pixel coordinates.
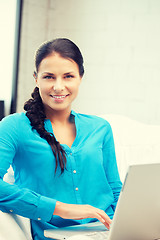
(135, 143)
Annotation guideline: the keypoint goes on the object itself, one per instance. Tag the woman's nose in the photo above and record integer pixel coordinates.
(58, 86)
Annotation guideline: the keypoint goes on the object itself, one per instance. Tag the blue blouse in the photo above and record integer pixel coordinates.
(91, 176)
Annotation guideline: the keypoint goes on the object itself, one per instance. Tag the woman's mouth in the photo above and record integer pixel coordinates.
(59, 98)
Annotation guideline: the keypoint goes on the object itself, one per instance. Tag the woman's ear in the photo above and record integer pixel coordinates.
(35, 77)
(80, 79)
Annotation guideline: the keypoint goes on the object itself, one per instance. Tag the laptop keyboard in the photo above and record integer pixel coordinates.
(98, 235)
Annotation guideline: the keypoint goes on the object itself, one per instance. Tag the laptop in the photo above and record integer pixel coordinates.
(137, 215)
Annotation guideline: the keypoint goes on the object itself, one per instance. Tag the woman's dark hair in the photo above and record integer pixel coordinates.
(34, 107)
(63, 46)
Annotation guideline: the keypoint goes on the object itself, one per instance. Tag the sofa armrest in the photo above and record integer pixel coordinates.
(14, 227)
(19, 227)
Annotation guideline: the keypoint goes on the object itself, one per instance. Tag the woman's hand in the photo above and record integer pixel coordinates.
(77, 212)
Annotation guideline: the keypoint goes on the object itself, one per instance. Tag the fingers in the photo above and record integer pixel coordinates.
(92, 212)
(103, 217)
(107, 225)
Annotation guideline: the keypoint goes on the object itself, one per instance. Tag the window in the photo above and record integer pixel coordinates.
(7, 44)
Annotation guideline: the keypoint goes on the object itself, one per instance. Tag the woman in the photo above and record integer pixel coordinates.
(64, 162)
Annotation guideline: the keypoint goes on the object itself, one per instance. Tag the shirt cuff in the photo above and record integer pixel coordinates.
(45, 209)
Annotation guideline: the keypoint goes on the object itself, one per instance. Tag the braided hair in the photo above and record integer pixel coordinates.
(34, 107)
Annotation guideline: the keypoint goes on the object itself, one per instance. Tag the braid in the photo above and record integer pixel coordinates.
(35, 112)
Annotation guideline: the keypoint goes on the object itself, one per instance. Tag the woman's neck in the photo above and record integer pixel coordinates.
(59, 117)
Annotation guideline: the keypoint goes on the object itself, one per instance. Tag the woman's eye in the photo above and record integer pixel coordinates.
(69, 76)
(48, 77)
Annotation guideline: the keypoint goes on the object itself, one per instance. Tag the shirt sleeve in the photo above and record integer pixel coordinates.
(21, 201)
(110, 165)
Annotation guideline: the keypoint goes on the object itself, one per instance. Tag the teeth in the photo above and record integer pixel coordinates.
(58, 97)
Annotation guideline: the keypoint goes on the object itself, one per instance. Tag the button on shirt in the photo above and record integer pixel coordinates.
(91, 175)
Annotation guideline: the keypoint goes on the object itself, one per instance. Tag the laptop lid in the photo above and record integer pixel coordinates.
(137, 216)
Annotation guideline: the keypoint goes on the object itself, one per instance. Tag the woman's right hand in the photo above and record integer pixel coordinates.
(78, 212)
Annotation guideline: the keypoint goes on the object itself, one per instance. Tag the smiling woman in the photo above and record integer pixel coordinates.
(64, 162)
(57, 89)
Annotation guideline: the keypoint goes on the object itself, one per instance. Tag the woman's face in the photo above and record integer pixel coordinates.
(58, 81)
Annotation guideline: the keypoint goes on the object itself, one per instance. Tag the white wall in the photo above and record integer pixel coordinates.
(120, 42)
